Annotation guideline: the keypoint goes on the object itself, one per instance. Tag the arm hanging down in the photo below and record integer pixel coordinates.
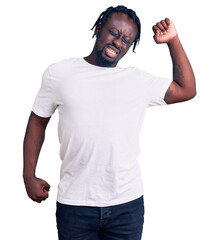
(37, 189)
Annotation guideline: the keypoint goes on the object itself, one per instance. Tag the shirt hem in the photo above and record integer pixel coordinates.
(96, 203)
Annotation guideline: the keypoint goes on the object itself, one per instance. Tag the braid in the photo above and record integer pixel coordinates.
(108, 13)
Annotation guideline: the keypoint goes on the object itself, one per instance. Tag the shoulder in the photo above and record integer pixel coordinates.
(141, 74)
(62, 65)
(61, 68)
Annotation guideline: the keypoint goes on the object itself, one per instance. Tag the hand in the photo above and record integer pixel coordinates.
(37, 189)
(164, 31)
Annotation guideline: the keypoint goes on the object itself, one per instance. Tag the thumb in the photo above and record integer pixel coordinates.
(45, 187)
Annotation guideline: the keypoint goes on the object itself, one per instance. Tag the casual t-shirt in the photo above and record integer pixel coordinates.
(101, 111)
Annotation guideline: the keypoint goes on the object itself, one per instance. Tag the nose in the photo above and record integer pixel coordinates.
(117, 42)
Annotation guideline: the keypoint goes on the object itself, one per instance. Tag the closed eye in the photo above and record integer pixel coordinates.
(116, 34)
(113, 33)
(126, 41)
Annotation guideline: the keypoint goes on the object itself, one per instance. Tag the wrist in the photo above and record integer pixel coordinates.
(174, 41)
(28, 175)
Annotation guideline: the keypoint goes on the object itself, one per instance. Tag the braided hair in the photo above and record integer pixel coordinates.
(108, 13)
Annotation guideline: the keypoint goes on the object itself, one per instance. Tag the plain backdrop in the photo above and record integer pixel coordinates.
(179, 142)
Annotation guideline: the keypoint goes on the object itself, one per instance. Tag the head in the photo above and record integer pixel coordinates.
(116, 30)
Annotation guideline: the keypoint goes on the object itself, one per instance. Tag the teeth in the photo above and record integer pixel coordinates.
(112, 51)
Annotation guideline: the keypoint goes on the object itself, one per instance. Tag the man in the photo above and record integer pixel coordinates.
(101, 110)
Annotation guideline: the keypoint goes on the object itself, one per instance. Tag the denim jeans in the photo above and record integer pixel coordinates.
(118, 222)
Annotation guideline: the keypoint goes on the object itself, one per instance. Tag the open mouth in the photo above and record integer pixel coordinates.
(111, 52)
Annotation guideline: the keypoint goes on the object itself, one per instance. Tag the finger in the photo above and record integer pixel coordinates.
(45, 194)
(40, 199)
(160, 26)
(167, 20)
(164, 24)
(156, 29)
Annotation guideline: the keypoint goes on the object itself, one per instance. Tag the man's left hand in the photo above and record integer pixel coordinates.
(164, 31)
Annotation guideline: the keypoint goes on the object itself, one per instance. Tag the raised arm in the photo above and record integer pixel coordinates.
(183, 87)
(37, 189)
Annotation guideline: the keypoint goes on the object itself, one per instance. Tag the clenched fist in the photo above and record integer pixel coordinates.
(164, 31)
(37, 189)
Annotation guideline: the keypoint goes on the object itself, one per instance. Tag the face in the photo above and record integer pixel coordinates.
(114, 39)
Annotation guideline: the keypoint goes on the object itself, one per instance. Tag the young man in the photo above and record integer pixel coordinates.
(101, 110)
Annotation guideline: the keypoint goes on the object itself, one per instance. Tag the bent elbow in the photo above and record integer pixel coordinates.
(190, 95)
(194, 93)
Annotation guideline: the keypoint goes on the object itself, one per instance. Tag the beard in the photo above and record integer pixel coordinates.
(102, 61)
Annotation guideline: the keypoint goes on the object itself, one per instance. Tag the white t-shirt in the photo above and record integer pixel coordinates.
(101, 111)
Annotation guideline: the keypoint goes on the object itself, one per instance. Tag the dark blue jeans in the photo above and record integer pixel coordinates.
(119, 222)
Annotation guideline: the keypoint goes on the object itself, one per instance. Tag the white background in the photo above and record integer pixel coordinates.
(179, 156)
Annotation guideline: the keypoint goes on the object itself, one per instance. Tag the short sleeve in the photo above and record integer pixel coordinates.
(44, 104)
(158, 89)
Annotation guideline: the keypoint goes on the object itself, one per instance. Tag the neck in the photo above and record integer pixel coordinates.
(91, 59)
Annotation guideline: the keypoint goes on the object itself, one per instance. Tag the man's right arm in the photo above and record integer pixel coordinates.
(37, 189)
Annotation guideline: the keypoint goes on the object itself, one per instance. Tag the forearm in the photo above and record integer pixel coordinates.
(33, 141)
(182, 71)
(37, 189)
(32, 145)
